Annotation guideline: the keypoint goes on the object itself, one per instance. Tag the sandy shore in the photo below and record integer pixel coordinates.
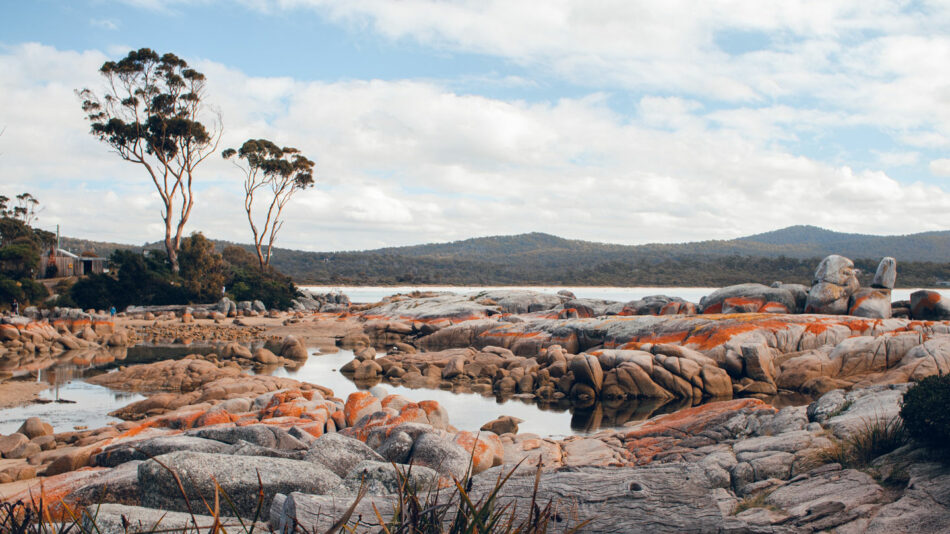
(16, 393)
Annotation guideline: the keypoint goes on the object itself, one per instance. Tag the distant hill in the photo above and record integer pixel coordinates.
(789, 254)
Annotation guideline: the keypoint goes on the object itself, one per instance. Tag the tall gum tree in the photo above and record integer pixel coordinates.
(281, 172)
(151, 114)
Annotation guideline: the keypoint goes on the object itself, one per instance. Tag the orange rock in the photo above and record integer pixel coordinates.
(359, 404)
(485, 447)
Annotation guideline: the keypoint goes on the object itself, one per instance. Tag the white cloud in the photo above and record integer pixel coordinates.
(402, 162)
(940, 167)
(106, 24)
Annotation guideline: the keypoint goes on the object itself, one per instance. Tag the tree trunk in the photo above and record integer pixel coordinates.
(172, 252)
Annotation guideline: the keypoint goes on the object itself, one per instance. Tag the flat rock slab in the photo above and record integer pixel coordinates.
(237, 476)
(113, 518)
(849, 487)
(587, 451)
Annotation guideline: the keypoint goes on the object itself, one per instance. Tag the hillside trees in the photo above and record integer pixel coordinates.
(21, 247)
(279, 172)
(151, 114)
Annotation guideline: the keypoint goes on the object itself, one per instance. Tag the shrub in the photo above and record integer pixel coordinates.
(925, 413)
(877, 436)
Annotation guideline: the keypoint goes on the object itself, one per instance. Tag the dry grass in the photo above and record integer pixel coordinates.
(877, 436)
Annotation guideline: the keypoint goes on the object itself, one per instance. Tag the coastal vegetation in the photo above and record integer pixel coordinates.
(924, 411)
(542, 259)
(21, 248)
(149, 279)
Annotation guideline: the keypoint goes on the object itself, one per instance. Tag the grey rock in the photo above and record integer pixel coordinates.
(121, 453)
(384, 478)
(124, 519)
(119, 485)
(339, 453)
(239, 479)
(923, 507)
(441, 454)
(849, 487)
(396, 448)
(886, 274)
(864, 406)
(263, 435)
(245, 448)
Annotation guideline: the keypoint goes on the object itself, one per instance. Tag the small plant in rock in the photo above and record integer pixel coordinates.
(925, 413)
(877, 436)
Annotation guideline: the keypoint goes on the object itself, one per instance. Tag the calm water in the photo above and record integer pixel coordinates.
(90, 404)
(364, 294)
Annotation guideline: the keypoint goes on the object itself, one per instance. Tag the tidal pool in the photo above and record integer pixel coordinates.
(71, 402)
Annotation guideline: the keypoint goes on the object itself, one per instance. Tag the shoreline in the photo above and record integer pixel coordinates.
(16, 393)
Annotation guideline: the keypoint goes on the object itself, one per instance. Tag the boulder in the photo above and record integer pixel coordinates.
(265, 356)
(835, 282)
(339, 453)
(929, 305)
(385, 478)
(505, 424)
(358, 404)
(11, 443)
(587, 370)
(396, 448)
(746, 298)
(442, 454)
(886, 275)
(264, 435)
(293, 349)
(241, 480)
(35, 427)
(871, 302)
(120, 453)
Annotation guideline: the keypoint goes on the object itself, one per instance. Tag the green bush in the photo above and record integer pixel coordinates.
(925, 411)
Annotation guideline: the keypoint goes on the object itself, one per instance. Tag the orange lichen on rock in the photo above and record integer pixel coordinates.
(359, 404)
(690, 421)
(485, 447)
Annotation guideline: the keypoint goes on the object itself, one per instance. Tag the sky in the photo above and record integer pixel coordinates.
(618, 121)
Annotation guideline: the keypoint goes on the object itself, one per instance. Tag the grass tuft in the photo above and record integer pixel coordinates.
(877, 436)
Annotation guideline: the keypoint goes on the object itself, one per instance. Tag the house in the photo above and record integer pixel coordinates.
(69, 264)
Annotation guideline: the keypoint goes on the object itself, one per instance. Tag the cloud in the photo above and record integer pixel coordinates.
(940, 167)
(407, 161)
(106, 24)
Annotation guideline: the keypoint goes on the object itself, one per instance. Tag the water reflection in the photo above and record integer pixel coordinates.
(71, 401)
(470, 406)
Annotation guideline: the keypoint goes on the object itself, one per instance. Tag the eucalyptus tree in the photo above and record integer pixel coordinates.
(151, 114)
(278, 172)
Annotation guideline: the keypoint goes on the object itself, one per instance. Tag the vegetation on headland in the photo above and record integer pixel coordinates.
(541, 259)
(21, 249)
(148, 279)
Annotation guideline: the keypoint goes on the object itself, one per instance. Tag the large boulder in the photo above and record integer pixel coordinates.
(385, 478)
(442, 454)
(930, 305)
(121, 453)
(340, 454)
(835, 282)
(871, 302)
(745, 298)
(242, 479)
(886, 275)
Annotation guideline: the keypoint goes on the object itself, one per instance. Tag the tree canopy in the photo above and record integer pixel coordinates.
(151, 114)
(281, 172)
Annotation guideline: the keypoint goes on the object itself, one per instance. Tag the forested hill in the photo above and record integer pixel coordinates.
(789, 254)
